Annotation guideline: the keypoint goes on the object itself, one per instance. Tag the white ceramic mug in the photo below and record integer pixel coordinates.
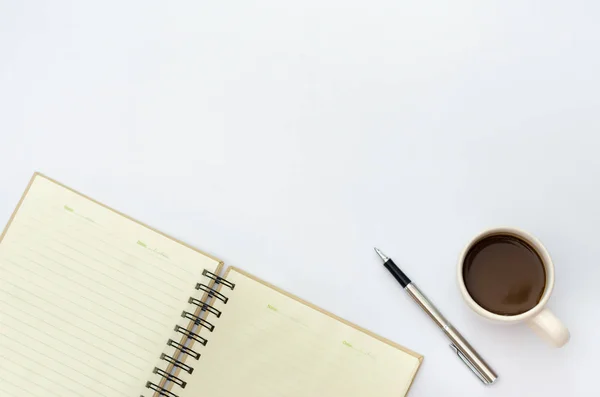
(539, 318)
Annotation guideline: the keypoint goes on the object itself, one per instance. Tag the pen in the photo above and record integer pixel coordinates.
(460, 346)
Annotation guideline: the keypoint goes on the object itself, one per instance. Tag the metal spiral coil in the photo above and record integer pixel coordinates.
(169, 377)
(191, 335)
(218, 280)
(204, 306)
(183, 349)
(212, 293)
(198, 320)
(162, 391)
(195, 319)
(176, 363)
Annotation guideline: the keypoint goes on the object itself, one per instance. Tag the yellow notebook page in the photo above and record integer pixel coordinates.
(88, 297)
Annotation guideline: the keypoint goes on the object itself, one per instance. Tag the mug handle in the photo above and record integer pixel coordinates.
(549, 328)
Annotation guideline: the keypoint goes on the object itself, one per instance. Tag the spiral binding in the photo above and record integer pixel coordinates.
(177, 363)
(198, 320)
(183, 349)
(191, 335)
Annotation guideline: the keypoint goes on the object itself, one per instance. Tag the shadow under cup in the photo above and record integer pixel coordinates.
(504, 274)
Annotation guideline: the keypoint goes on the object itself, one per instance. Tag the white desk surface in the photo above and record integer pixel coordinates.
(290, 139)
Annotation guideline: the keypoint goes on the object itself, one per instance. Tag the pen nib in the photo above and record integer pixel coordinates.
(383, 257)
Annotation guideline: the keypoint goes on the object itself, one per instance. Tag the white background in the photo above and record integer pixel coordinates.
(288, 138)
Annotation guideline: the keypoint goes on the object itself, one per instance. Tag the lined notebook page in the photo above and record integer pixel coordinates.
(88, 297)
(268, 344)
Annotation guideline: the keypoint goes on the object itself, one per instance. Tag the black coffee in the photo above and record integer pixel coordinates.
(504, 275)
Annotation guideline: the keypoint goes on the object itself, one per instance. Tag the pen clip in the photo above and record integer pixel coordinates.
(469, 364)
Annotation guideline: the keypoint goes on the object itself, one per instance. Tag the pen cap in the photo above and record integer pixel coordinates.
(470, 358)
(461, 347)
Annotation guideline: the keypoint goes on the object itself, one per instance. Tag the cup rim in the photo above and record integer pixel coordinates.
(546, 260)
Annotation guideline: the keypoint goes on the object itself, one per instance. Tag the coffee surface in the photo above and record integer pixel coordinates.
(504, 275)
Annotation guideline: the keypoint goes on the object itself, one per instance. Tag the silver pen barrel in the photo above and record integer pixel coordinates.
(462, 348)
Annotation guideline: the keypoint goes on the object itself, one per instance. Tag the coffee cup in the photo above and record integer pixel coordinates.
(506, 275)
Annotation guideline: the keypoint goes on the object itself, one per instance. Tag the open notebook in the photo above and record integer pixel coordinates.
(93, 303)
